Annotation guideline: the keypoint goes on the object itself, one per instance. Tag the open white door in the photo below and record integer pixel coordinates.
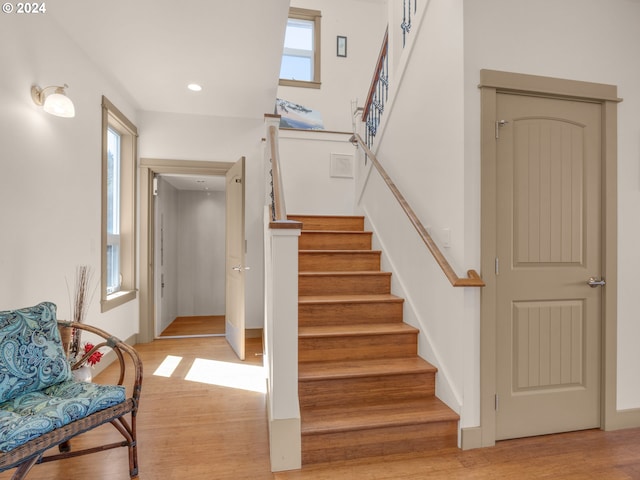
(235, 247)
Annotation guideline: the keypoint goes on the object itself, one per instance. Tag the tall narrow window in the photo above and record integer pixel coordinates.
(113, 211)
(119, 140)
(300, 65)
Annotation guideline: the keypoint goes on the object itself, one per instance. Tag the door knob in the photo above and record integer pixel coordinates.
(594, 282)
(239, 268)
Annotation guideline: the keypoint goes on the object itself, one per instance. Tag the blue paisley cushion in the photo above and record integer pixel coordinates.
(31, 353)
(36, 413)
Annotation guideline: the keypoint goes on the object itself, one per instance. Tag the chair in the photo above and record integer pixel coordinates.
(42, 406)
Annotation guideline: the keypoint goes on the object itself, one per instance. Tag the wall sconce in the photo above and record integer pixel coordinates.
(53, 100)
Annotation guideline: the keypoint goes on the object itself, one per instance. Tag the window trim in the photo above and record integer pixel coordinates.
(114, 119)
(314, 16)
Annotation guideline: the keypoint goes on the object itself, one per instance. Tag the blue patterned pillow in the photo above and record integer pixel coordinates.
(31, 354)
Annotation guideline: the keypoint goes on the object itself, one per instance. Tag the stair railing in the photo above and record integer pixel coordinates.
(472, 279)
(379, 88)
(378, 93)
(278, 207)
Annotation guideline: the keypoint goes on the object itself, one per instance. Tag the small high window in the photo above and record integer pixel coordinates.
(300, 65)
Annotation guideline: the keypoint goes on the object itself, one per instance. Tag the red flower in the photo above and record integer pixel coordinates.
(95, 357)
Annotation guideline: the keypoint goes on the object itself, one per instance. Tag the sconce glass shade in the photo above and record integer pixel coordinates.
(53, 101)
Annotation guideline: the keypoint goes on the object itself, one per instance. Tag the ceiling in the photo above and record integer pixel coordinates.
(205, 183)
(151, 49)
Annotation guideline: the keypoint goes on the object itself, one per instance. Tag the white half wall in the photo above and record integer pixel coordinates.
(317, 172)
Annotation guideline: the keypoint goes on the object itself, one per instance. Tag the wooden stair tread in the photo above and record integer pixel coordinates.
(345, 274)
(310, 371)
(333, 222)
(382, 415)
(356, 330)
(295, 216)
(337, 232)
(336, 299)
(328, 252)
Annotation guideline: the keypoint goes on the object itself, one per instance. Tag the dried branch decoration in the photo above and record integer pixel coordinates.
(83, 295)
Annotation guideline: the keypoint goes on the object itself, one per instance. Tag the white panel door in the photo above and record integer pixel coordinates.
(235, 258)
(548, 246)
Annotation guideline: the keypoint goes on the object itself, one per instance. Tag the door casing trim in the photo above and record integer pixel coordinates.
(148, 168)
(493, 82)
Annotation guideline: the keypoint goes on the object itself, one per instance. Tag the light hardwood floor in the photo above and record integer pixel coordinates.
(191, 429)
(197, 325)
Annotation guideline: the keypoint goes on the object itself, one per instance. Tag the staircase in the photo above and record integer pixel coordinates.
(363, 389)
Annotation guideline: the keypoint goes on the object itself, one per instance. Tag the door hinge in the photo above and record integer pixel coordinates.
(496, 402)
(500, 123)
(497, 266)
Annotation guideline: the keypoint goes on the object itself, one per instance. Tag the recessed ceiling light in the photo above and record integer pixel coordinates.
(194, 87)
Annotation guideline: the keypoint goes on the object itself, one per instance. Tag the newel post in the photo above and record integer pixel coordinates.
(282, 352)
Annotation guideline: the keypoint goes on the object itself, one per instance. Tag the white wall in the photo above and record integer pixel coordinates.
(429, 142)
(191, 254)
(310, 184)
(587, 40)
(421, 145)
(201, 253)
(50, 171)
(343, 79)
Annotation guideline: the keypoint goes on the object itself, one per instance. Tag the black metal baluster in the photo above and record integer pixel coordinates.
(406, 18)
(273, 193)
(378, 95)
(403, 25)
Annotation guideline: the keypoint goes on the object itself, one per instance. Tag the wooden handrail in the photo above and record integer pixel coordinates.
(473, 279)
(280, 210)
(376, 75)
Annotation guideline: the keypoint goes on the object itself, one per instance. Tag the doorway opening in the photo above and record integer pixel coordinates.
(150, 279)
(189, 255)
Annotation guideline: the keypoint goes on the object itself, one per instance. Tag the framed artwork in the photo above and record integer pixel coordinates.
(341, 165)
(294, 115)
(341, 46)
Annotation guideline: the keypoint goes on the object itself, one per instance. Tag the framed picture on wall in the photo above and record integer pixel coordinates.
(342, 46)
